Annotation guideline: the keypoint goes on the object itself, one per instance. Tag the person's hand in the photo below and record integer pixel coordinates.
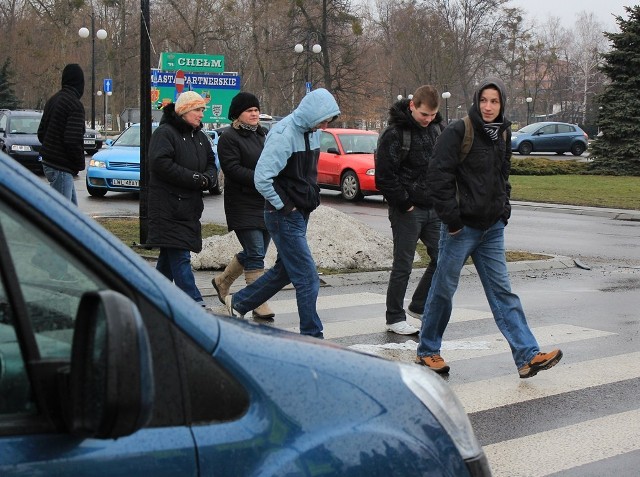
(455, 233)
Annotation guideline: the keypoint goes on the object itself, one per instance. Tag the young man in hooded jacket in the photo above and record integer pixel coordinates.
(286, 176)
(61, 133)
(471, 196)
(402, 178)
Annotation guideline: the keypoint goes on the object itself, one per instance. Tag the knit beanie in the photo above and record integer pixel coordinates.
(188, 101)
(240, 103)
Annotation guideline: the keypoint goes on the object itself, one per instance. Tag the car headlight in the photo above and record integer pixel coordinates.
(436, 395)
(371, 172)
(94, 163)
(20, 148)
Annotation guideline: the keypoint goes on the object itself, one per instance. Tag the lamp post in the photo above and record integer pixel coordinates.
(101, 35)
(316, 48)
(446, 95)
(528, 100)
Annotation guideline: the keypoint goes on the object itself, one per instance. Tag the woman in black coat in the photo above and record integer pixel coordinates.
(181, 165)
(239, 148)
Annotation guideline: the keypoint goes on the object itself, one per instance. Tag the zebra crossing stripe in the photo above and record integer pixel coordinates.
(563, 378)
(331, 302)
(556, 450)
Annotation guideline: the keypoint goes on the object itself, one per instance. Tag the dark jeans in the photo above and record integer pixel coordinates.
(255, 243)
(408, 228)
(175, 264)
(294, 265)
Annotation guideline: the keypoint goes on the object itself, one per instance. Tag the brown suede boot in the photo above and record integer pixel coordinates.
(262, 312)
(222, 283)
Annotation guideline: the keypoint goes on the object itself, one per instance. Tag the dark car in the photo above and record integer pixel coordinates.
(107, 368)
(550, 137)
(19, 136)
(92, 141)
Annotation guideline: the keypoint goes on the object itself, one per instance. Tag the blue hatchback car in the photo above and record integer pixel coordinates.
(550, 137)
(116, 168)
(107, 368)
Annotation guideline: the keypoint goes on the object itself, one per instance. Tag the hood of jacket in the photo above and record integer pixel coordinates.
(475, 107)
(73, 77)
(170, 117)
(400, 116)
(315, 107)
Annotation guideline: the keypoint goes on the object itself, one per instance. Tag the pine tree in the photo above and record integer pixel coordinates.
(617, 150)
(8, 99)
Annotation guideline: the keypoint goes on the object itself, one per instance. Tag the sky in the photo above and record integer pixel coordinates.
(566, 10)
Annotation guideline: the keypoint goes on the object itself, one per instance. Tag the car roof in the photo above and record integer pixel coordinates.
(350, 131)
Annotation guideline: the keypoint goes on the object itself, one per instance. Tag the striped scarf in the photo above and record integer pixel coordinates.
(492, 130)
(248, 127)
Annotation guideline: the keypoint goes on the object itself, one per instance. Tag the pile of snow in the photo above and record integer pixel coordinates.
(336, 241)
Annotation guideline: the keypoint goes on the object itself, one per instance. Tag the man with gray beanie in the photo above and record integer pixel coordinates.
(61, 133)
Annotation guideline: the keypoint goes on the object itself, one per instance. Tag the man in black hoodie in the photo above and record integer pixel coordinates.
(402, 179)
(61, 133)
(471, 197)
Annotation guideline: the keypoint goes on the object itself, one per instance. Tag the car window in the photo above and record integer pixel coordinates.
(358, 143)
(24, 125)
(565, 128)
(549, 129)
(327, 141)
(3, 122)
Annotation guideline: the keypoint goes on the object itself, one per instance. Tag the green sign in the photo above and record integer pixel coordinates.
(217, 91)
(191, 62)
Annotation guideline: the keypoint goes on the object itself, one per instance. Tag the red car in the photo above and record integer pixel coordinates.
(346, 162)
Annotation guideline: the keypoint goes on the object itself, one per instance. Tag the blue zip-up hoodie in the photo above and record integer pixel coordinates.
(287, 170)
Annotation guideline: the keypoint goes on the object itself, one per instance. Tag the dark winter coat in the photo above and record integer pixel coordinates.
(238, 152)
(403, 182)
(61, 130)
(474, 192)
(178, 156)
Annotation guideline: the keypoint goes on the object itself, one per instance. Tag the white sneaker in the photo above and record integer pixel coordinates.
(403, 328)
(417, 316)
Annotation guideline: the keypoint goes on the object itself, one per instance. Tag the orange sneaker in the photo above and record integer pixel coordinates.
(540, 362)
(434, 362)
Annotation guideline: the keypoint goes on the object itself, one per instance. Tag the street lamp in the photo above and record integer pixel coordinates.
(316, 48)
(101, 35)
(446, 95)
(528, 100)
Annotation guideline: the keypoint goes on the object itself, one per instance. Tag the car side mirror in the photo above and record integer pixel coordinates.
(108, 142)
(109, 386)
(333, 150)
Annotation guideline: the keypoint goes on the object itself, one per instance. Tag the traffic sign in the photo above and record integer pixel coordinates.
(308, 86)
(179, 81)
(108, 85)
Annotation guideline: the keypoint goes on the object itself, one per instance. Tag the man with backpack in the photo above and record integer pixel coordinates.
(402, 161)
(469, 184)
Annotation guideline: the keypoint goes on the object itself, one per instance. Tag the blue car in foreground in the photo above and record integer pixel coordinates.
(550, 136)
(107, 368)
(116, 168)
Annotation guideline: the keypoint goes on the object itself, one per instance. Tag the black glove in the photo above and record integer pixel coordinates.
(201, 181)
(213, 181)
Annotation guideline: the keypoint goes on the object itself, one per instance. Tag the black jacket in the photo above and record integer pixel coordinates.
(238, 151)
(61, 130)
(178, 156)
(474, 192)
(404, 182)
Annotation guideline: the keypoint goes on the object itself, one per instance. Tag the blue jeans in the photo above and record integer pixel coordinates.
(255, 243)
(486, 247)
(61, 181)
(294, 264)
(175, 264)
(408, 228)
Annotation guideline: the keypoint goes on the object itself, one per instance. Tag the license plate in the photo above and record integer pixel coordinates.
(89, 142)
(125, 182)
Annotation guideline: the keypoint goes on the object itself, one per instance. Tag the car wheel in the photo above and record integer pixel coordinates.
(96, 191)
(350, 187)
(525, 149)
(577, 148)
(218, 189)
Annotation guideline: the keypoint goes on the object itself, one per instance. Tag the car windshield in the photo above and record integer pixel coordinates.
(529, 129)
(129, 138)
(25, 125)
(358, 143)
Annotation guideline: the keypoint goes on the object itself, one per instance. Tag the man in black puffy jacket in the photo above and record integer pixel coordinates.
(471, 196)
(182, 166)
(61, 133)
